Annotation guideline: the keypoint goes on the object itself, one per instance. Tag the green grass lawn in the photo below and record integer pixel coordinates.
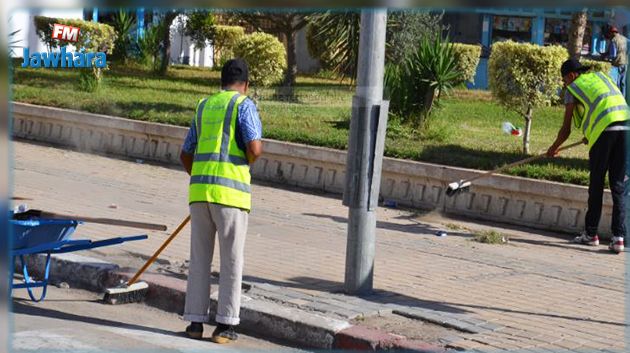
(465, 131)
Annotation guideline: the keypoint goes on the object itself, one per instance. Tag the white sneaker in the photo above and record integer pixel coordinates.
(616, 245)
(586, 239)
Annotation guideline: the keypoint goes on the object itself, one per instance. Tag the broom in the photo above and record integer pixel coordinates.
(463, 185)
(133, 291)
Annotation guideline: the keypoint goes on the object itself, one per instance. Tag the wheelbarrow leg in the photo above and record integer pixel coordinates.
(29, 285)
(11, 274)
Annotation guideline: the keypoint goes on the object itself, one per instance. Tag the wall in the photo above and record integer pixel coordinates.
(305, 62)
(512, 200)
(183, 50)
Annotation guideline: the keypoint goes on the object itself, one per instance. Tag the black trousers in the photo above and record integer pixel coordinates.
(608, 154)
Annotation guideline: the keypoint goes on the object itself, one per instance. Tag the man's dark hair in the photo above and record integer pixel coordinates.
(234, 71)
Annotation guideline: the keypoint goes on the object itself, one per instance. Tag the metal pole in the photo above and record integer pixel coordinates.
(365, 152)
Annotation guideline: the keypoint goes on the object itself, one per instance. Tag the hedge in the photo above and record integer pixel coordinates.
(467, 59)
(602, 66)
(523, 75)
(225, 38)
(265, 55)
(93, 37)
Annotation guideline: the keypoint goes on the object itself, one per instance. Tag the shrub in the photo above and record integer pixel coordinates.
(405, 29)
(123, 23)
(225, 38)
(466, 60)
(525, 76)
(265, 56)
(94, 37)
(150, 44)
(417, 83)
(602, 66)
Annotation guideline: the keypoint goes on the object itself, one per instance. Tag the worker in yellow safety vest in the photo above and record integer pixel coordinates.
(596, 106)
(223, 140)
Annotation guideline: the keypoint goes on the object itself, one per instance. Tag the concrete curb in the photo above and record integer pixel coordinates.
(499, 198)
(257, 316)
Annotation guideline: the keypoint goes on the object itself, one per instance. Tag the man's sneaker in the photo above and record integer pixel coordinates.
(616, 245)
(586, 239)
(224, 334)
(195, 330)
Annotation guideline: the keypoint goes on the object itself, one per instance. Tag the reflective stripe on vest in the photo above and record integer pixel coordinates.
(603, 103)
(220, 172)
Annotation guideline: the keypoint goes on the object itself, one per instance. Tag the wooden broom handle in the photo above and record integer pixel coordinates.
(522, 161)
(110, 221)
(159, 251)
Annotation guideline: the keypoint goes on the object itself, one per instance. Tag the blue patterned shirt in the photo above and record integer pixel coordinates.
(248, 128)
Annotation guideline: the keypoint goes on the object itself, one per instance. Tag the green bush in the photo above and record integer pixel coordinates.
(601, 66)
(94, 37)
(87, 81)
(416, 84)
(123, 22)
(466, 60)
(265, 55)
(405, 29)
(149, 46)
(225, 38)
(525, 76)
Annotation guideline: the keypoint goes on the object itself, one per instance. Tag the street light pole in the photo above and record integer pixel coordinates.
(365, 153)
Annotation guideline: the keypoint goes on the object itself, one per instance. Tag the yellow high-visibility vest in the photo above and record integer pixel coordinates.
(603, 104)
(220, 171)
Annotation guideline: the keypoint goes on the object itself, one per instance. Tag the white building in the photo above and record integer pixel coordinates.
(26, 37)
(183, 51)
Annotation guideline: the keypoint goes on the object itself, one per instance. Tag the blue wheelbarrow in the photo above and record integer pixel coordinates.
(33, 235)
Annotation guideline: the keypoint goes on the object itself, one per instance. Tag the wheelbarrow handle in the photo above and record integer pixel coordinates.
(109, 221)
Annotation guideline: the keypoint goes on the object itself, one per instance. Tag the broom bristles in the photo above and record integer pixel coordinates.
(126, 294)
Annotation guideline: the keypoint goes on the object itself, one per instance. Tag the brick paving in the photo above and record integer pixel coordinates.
(536, 294)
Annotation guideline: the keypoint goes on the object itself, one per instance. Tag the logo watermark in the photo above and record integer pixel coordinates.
(64, 58)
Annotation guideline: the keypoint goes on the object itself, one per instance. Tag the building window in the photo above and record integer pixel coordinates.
(518, 29)
(557, 31)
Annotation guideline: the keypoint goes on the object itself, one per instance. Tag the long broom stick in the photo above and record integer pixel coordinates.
(462, 185)
(131, 291)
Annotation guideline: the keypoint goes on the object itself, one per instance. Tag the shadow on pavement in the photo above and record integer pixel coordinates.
(37, 311)
(550, 315)
(416, 228)
(378, 296)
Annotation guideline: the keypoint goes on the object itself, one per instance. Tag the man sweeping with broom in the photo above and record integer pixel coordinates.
(597, 107)
(223, 140)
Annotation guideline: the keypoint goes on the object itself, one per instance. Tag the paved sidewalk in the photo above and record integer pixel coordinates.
(537, 293)
(65, 322)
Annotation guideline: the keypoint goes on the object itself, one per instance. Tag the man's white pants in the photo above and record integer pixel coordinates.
(208, 220)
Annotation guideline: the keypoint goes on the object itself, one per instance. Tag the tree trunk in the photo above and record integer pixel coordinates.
(166, 41)
(576, 34)
(291, 73)
(528, 129)
(429, 101)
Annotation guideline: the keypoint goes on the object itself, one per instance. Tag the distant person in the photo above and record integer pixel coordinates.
(599, 110)
(223, 140)
(617, 54)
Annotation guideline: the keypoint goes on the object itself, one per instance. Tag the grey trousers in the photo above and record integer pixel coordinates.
(208, 220)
